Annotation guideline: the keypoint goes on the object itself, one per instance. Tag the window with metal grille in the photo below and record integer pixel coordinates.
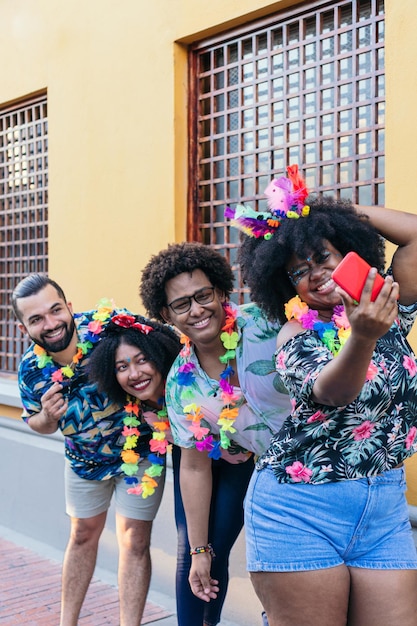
(23, 212)
(303, 87)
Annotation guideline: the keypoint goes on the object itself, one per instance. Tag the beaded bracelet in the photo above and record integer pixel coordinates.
(201, 549)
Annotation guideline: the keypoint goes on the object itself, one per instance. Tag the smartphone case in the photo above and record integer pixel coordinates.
(351, 274)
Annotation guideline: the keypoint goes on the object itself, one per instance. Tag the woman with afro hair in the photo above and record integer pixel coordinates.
(223, 406)
(328, 537)
(130, 364)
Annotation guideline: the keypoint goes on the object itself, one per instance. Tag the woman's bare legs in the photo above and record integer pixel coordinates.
(338, 596)
(313, 598)
(383, 597)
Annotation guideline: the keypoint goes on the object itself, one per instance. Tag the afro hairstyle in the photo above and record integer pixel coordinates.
(161, 346)
(177, 259)
(263, 261)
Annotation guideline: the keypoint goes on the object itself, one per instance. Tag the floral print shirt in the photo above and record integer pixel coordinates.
(92, 425)
(264, 402)
(372, 434)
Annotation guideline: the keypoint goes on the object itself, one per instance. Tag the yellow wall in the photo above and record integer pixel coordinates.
(401, 133)
(116, 84)
(10, 411)
(116, 77)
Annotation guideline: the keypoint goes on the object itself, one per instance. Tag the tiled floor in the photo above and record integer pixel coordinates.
(30, 593)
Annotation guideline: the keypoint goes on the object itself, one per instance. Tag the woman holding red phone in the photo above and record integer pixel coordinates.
(329, 541)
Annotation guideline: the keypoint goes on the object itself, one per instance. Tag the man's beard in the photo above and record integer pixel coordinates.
(57, 346)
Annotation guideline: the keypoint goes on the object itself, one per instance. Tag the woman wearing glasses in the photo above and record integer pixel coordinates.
(328, 537)
(223, 407)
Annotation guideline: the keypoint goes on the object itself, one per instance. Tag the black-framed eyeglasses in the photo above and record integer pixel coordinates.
(183, 305)
(296, 274)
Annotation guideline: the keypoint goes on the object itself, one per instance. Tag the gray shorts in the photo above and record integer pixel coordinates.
(87, 498)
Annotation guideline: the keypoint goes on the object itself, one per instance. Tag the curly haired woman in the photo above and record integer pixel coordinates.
(329, 541)
(223, 407)
(130, 364)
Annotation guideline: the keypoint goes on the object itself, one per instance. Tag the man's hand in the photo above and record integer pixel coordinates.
(53, 403)
(201, 583)
(54, 406)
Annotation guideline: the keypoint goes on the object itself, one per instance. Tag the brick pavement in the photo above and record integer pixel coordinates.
(30, 593)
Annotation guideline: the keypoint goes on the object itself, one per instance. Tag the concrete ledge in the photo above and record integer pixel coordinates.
(9, 392)
(19, 426)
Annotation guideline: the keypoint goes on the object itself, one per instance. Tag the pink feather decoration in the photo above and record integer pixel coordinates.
(285, 194)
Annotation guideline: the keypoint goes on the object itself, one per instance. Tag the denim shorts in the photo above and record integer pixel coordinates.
(299, 527)
(88, 498)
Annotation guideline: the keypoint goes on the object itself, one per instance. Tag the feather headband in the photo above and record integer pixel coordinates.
(286, 199)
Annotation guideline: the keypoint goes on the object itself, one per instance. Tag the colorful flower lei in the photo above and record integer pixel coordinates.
(229, 412)
(95, 327)
(158, 446)
(133, 419)
(333, 334)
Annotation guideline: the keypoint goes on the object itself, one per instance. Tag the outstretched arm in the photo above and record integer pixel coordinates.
(342, 379)
(399, 228)
(196, 489)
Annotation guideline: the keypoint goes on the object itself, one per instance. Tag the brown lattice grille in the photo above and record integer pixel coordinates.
(304, 88)
(23, 212)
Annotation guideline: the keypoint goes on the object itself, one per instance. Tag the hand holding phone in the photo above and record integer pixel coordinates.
(351, 275)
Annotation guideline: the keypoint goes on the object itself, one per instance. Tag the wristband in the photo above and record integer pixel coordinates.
(201, 549)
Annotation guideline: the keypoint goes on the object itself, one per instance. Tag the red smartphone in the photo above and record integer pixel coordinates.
(351, 274)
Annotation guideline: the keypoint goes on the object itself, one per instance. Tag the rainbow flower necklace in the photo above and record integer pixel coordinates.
(229, 412)
(333, 334)
(158, 446)
(94, 328)
(158, 443)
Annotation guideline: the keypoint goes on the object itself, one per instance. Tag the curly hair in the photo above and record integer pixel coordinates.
(177, 259)
(160, 346)
(263, 262)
